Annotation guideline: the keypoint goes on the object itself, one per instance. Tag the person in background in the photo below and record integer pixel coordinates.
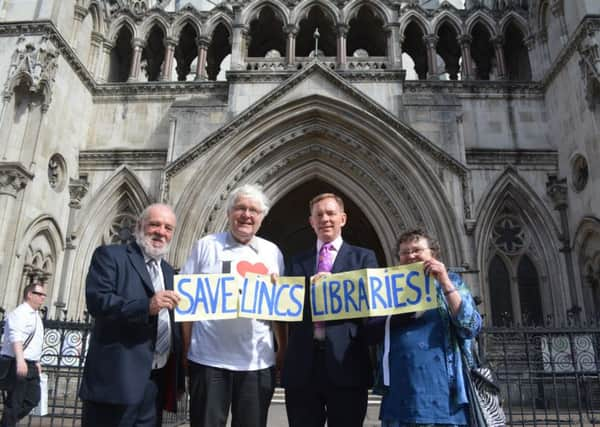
(421, 362)
(23, 339)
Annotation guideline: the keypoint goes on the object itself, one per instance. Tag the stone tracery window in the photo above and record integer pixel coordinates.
(509, 235)
(121, 230)
(512, 275)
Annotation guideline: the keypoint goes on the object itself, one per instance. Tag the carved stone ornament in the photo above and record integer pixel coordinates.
(13, 178)
(35, 65)
(78, 188)
(579, 172)
(556, 188)
(589, 65)
(57, 169)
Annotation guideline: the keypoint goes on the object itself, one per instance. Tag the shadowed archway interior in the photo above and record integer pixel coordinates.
(287, 222)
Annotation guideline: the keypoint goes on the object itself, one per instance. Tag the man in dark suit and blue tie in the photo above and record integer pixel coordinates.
(327, 370)
(133, 368)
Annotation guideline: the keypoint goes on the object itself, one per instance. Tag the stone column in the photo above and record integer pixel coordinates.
(170, 44)
(239, 47)
(342, 31)
(498, 42)
(78, 188)
(431, 41)
(94, 59)
(106, 49)
(464, 40)
(134, 73)
(557, 191)
(79, 15)
(557, 10)
(203, 42)
(544, 49)
(291, 30)
(534, 56)
(393, 46)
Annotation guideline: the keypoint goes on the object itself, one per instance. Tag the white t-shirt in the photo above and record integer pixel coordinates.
(235, 344)
(20, 323)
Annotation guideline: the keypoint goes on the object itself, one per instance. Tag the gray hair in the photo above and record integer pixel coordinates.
(146, 213)
(252, 191)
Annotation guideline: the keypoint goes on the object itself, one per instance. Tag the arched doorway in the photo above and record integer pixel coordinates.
(287, 222)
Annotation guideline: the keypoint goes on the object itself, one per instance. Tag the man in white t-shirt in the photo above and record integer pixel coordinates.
(23, 340)
(232, 362)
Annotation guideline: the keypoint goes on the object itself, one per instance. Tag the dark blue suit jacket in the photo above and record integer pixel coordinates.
(119, 358)
(346, 352)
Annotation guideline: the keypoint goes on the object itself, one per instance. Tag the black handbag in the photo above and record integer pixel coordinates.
(8, 372)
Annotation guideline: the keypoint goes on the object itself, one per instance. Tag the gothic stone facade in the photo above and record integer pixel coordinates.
(480, 124)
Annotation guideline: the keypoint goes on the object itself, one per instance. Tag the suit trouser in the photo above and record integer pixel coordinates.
(24, 396)
(320, 400)
(147, 413)
(214, 390)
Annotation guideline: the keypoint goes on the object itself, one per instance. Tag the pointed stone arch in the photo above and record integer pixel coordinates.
(319, 137)
(484, 19)
(255, 8)
(41, 250)
(183, 20)
(302, 9)
(517, 20)
(155, 19)
(376, 6)
(447, 17)
(120, 22)
(121, 195)
(213, 22)
(414, 16)
(510, 195)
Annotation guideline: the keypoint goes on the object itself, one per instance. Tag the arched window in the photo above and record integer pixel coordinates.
(121, 56)
(516, 54)
(483, 53)
(414, 46)
(529, 292)
(500, 295)
(266, 34)
(185, 52)
(153, 55)
(449, 50)
(366, 32)
(513, 279)
(305, 42)
(218, 49)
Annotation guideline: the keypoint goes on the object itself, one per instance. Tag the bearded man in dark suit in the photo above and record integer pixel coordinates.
(133, 365)
(327, 370)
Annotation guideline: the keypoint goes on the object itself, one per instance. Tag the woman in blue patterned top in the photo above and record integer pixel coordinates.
(421, 363)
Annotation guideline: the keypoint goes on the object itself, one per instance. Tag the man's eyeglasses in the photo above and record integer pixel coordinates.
(413, 251)
(251, 211)
(39, 294)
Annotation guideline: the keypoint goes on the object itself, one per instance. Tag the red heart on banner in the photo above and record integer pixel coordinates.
(244, 267)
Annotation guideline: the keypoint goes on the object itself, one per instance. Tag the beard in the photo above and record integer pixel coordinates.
(145, 242)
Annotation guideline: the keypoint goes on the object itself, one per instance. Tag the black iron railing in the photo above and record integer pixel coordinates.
(549, 376)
